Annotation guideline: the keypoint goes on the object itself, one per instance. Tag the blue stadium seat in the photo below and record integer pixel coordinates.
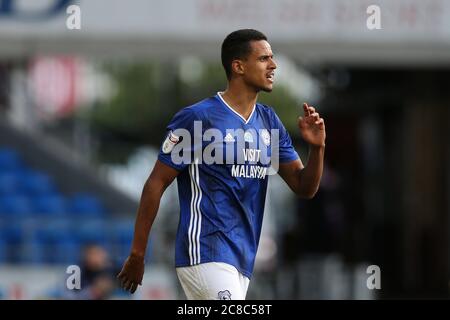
(51, 230)
(92, 231)
(34, 183)
(123, 231)
(9, 183)
(15, 206)
(52, 241)
(9, 160)
(34, 252)
(66, 251)
(3, 251)
(11, 236)
(11, 233)
(53, 247)
(50, 204)
(86, 205)
(121, 238)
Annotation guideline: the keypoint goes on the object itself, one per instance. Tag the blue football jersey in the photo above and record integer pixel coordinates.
(222, 201)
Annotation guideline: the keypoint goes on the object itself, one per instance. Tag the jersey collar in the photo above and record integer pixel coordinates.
(219, 94)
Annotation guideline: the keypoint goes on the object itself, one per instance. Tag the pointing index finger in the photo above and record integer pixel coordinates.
(306, 109)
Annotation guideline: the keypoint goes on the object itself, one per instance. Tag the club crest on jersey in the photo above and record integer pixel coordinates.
(170, 142)
(224, 295)
(265, 136)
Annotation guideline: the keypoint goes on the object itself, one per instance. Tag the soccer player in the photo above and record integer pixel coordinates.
(222, 203)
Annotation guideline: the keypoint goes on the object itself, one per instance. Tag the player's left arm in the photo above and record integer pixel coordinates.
(304, 181)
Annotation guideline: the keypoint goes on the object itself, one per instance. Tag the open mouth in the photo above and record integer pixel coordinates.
(270, 76)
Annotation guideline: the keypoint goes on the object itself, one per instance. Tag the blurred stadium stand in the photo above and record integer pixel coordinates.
(46, 219)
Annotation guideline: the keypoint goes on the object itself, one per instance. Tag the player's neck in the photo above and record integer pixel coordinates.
(242, 101)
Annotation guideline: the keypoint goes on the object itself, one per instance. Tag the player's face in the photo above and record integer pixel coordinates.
(259, 67)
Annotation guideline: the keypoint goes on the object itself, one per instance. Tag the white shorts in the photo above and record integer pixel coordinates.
(213, 281)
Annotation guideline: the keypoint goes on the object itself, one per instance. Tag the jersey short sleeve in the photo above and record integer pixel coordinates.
(182, 122)
(287, 151)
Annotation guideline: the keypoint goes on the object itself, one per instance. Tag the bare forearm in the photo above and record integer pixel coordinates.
(310, 176)
(133, 269)
(148, 208)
